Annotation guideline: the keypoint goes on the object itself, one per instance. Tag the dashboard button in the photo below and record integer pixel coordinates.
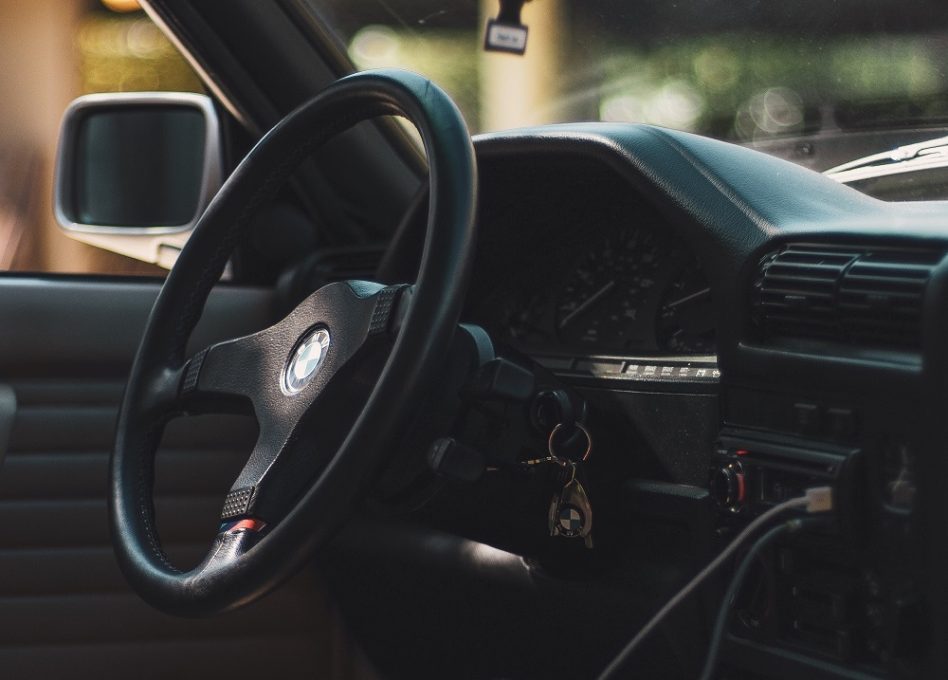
(807, 418)
(728, 486)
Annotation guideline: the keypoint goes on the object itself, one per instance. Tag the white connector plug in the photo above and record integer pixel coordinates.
(819, 499)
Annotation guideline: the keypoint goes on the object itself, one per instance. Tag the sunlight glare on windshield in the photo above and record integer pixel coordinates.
(728, 69)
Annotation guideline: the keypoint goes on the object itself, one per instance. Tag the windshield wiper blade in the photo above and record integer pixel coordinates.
(926, 155)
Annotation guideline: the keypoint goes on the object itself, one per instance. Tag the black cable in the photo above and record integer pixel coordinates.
(623, 656)
(733, 590)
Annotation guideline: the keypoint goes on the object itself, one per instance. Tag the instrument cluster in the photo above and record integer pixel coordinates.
(631, 291)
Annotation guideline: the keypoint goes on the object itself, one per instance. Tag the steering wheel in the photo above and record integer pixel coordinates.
(330, 385)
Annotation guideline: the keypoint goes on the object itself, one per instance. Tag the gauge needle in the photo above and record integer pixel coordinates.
(587, 304)
(688, 298)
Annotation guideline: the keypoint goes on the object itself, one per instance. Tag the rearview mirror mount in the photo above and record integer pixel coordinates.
(135, 171)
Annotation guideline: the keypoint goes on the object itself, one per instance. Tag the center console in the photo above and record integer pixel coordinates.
(839, 600)
(840, 333)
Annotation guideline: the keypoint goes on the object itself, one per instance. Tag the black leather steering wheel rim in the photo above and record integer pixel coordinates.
(245, 564)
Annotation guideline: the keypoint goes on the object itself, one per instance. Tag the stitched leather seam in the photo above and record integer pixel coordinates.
(145, 511)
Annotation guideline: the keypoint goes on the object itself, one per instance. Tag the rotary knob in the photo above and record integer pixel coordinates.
(729, 486)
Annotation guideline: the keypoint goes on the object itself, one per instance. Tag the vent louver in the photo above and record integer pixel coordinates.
(859, 296)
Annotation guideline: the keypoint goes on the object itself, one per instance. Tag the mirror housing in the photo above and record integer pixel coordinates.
(135, 171)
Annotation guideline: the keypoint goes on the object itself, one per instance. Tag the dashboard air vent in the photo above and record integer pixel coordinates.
(857, 296)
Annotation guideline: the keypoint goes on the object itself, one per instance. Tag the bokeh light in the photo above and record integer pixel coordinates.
(129, 53)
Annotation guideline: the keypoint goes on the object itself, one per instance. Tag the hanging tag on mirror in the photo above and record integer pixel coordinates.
(506, 33)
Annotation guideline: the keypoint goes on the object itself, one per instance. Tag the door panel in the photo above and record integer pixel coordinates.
(7, 412)
(65, 610)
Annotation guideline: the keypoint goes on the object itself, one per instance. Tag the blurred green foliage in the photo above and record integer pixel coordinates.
(745, 86)
(729, 73)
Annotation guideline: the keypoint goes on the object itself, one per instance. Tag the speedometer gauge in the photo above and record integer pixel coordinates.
(603, 300)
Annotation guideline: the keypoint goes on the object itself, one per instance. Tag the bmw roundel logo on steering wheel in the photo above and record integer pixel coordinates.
(305, 360)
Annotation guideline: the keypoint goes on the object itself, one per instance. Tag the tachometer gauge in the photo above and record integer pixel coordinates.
(602, 300)
(685, 323)
(527, 319)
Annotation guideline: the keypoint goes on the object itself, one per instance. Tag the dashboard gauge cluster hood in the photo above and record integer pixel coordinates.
(740, 196)
(731, 204)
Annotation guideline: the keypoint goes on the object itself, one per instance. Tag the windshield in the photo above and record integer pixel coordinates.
(743, 70)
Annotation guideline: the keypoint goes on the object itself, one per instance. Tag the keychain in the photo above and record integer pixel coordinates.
(570, 514)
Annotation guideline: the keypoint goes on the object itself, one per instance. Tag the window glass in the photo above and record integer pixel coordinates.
(822, 84)
(738, 69)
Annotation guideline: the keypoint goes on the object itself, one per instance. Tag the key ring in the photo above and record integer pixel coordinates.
(556, 459)
(559, 426)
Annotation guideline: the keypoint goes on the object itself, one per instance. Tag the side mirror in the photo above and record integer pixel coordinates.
(135, 171)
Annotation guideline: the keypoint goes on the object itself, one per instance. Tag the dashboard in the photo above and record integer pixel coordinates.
(801, 329)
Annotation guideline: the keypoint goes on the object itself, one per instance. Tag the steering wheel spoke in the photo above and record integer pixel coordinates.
(247, 497)
(210, 383)
(281, 465)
